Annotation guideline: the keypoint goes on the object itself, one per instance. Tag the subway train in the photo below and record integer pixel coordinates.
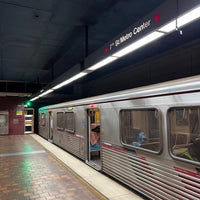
(148, 137)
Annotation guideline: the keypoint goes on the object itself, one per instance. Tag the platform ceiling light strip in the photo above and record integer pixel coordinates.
(45, 93)
(167, 28)
(81, 74)
(189, 17)
(136, 45)
(171, 26)
(35, 98)
(73, 78)
(103, 63)
(181, 21)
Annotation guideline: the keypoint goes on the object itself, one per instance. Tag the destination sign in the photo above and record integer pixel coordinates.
(125, 37)
(150, 23)
(130, 34)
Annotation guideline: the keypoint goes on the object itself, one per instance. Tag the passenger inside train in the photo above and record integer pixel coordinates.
(95, 137)
(184, 132)
(140, 139)
(193, 151)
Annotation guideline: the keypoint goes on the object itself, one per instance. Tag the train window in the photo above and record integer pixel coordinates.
(60, 120)
(140, 128)
(184, 133)
(69, 122)
(42, 119)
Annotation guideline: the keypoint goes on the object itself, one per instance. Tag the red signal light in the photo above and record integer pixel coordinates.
(157, 17)
(92, 105)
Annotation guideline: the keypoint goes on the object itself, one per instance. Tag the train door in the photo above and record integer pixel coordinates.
(50, 135)
(94, 138)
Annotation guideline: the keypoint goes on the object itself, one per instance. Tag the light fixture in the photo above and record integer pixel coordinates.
(73, 78)
(45, 93)
(102, 63)
(181, 21)
(188, 17)
(171, 26)
(136, 45)
(33, 99)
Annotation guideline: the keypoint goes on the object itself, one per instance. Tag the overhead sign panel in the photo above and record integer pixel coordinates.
(170, 16)
(165, 13)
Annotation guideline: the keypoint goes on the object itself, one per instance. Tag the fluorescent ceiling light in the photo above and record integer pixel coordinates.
(73, 78)
(45, 93)
(171, 26)
(136, 45)
(33, 99)
(102, 63)
(181, 21)
(188, 17)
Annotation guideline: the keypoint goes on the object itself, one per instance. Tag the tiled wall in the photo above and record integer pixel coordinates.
(14, 105)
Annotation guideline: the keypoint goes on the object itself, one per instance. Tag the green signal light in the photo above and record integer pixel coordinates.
(28, 103)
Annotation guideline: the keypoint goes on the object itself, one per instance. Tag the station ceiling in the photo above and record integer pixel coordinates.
(42, 39)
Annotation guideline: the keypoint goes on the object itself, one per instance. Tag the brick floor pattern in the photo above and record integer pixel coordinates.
(36, 175)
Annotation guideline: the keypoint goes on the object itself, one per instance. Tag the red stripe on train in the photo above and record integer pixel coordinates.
(190, 173)
(114, 148)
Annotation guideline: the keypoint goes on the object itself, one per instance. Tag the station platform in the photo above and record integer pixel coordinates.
(33, 168)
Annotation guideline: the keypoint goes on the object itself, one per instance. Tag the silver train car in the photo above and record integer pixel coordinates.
(148, 138)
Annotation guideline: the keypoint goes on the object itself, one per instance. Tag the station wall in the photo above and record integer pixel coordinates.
(15, 108)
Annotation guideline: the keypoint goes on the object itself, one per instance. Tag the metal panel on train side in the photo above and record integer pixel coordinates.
(72, 142)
